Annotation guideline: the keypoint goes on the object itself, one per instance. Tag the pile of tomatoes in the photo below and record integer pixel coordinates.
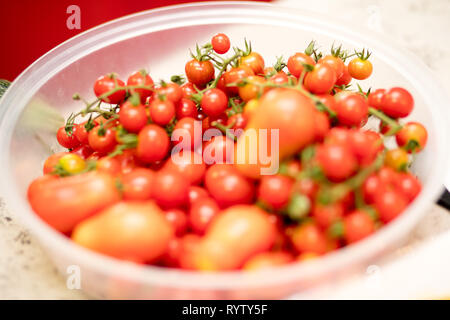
(119, 191)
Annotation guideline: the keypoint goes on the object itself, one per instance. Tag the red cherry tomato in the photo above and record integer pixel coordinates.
(235, 75)
(141, 78)
(214, 102)
(178, 219)
(397, 103)
(275, 190)
(153, 144)
(335, 63)
(199, 72)
(337, 161)
(408, 185)
(322, 124)
(237, 121)
(171, 91)
(309, 238)
(219, 149)
(345, 78)
(202, 213)
(297, 61)
(187, 134)
(186, 108)
(358, 225)
(227, 186)
(67, 140)
(162, 111)
(81, 133)
(188, 164)
(138, 184)
(196, 193)
(84, 151)
(375, 98)
(107, 83)
(188, 90)
(132, 118)
(389, 204)
(254, 61)
(52, 161)
(108, 165)
(326, 215)
(220, 43)
(321, 79)
(351, 109)
(170, 189)
(102, 139)
(267, 260)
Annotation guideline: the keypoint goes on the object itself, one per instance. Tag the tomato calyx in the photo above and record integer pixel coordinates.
(311, 50)
(178, 79)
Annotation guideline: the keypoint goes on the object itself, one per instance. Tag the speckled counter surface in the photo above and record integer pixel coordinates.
(421, 26)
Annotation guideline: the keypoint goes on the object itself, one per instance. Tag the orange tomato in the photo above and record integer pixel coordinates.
(254, 61)
(252, 91)
(52, 161)
(268, 260)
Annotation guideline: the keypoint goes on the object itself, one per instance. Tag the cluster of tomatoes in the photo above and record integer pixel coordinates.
(118, 191)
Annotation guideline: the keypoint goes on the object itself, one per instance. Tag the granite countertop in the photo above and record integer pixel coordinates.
(419, 25)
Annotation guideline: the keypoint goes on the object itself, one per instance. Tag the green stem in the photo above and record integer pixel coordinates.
(394, 125)
(224, 68)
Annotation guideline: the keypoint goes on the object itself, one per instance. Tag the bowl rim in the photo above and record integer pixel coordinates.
(204, 13)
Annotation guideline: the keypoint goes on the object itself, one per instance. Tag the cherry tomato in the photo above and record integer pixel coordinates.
(322, 125)
(141, 78)
(279, 78)
(108, 165)
(153, 144)
(199, 73)
(413, 137)
(371, 186)
(397, 103)
(136, 231)
(186, 108)
(237, 234)
(307, 187)
(338, 135)
(389, 204)
(326, 215)
(365, 145)
(214, 102)
(345, 78)
(268, 260)
(196, 193)
(321, 79)
(335, 63)
(397, 159)
(162, 111)
(297, 61)
(408, 185)
(202, 213)
(252, 91)
(208, 121)
(387, 175)
(235, 75)
(81, 133)
(84, 151)
(309, 238)
(107, 83)
(188, 90)
(375, 98)
(237, 121)
(357, 225)
(337, 161)
(78, 197)
(72, 163)
(67, 140)
(360, 69)
(52, 161)
(351, 108)
(171, 91)
(170, 189)
(275, 190)
(102, 139)
(178, 219)
(138, 184)
(187, 164)
(254, 61)
(219, 149)
(220, 43)
(187, 134)
(132, 118)
(227, 186)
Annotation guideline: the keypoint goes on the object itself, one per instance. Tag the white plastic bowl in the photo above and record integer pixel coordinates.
(159, 40)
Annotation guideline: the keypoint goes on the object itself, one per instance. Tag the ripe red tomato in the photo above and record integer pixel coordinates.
(52, 161)
(250, 90)
(187, 90)
(214, 102)
(297, 61)
(170, 189)
(171, 91)
(138, 184)
(254, 61)
(135, 231)
(322, 125)
(237, 121)
(227, 186)
(326, 215)
(335, 63)
(275, 190)
(81, 133)
(360, 69)
(162, 111)
(351, 108)
(220, 43)
(413, 137)
(132, 118)
(108, 165)
(187, 134)
(141, 78)
(199, 72)
(235, 75)
(337, 161)
(102, 139)
(202, 213)
(84, 151)
(107, 83)
(78, 197)
(196, 193)
(279, 78)
(219, 149)
(321, 80)
(389, 204)
(365, 145)
(397, 103)
(188, 164)
(375, 98)
(358, 225)
(178, 219)
(186, 108)
(408, 185)
(371, 186)
(345, 78)
(66, 140)
(309, 238)
(307, 187)
(153, 144)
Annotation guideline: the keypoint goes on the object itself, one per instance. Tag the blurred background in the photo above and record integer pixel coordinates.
(31, 28)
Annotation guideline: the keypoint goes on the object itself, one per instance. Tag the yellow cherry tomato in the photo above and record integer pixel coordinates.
(360, 69)
(251, 106)
(72, 163)
(397, 159)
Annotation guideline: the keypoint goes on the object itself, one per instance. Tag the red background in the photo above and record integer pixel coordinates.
(30, 28)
